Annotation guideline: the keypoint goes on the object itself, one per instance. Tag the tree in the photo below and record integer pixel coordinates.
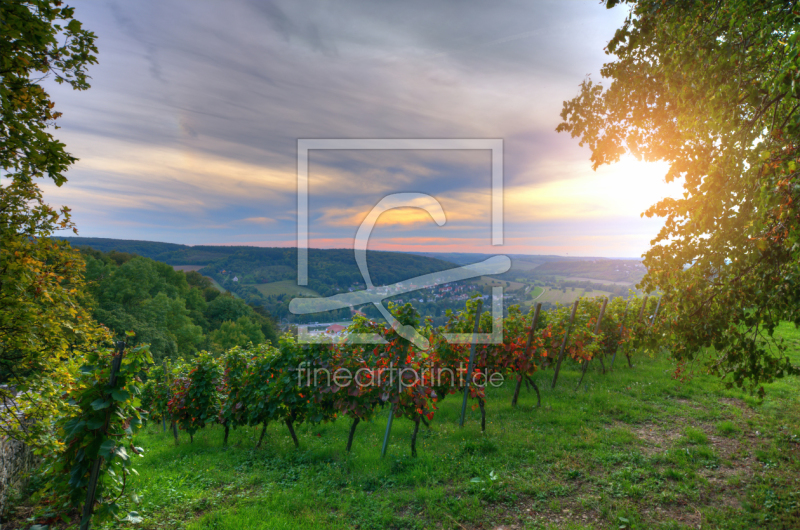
(239, 333)
(42, 323)
(713, 89)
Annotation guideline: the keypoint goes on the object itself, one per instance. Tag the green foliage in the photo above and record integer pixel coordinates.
(43, 327)
(296, 383)
(612, 449)
(711, 88)
(195, 399)
(178, 314)
(101, 425)
(236, 365)
(38, 38)
(231, 334)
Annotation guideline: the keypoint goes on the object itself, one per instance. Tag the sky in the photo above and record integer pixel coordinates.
(189, 133)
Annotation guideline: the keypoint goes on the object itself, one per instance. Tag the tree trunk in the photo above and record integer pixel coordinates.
(630, 364)
(352, 433)
(483, 415)
(425, 422)
(602, 364)
(191, 438)
(414, 437)
(261, 438)
(175, 432)
(291, 431)
(517, 389)
(538, 396)
(227, 430)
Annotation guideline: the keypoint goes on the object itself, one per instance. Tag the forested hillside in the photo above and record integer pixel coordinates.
(241, 270)
(329, 269)
(177, 313)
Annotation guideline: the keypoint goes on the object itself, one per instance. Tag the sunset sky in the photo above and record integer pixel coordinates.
(189, 132)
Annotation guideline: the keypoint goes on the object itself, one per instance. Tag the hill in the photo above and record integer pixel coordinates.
(335, 268)
(267, 276)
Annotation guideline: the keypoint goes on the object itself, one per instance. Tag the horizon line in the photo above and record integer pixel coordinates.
(294, 246)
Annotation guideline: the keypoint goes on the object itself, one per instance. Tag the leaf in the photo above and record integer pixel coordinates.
(100, 403)
(94, 424)
(106, 447)
(120, 395)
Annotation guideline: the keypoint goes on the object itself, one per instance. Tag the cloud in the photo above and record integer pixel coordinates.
(191, 126)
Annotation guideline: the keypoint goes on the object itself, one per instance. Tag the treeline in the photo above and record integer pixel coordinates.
(177, 313)
(330, 270)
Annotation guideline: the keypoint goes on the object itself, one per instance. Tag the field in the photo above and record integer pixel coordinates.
(596, 269)
(219, 287)
(491, 282)
(289, 287)
(632, 449)
(557, 296)
(187, 268)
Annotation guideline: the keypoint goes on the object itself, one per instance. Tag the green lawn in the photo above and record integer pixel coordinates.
(631, 449)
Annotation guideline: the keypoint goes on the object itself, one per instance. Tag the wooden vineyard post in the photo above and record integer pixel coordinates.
(619, 332)
(168, 379)
(527, 351)
(471, 364)
(388, 430)
(564, 344)
(164, 415)
(655, 313)
(596, 331)
(641, 311)
(391, 413)
(638, 319)
(91, 488)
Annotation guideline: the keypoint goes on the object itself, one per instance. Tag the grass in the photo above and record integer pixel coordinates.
(634, 448)
(288, 287)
